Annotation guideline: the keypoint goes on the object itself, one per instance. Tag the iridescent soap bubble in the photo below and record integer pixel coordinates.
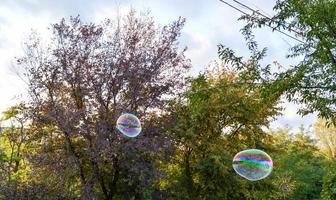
(129, 125)
(252, 164)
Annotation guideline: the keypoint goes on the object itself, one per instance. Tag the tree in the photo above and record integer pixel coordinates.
(329, 184)
(327, 137)
(299, 168)
(220, 115)
(14, 141)
(81, 81)
(310, 82)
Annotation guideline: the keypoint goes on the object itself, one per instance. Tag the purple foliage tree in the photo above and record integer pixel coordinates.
(81, 81)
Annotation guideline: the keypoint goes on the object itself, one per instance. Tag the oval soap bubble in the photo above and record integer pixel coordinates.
(129, 125)
(252, 164)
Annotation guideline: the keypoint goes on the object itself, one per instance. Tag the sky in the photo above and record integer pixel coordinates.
(208, 23)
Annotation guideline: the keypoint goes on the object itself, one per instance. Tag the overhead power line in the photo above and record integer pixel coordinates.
(265, 13)
(234, 7)
(269, 18)
(257, 12)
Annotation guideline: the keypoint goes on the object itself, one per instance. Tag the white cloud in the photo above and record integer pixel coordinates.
(13, 30)
(292, 118)
(200, 50)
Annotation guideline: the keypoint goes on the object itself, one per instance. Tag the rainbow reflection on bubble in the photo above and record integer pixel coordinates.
(252, 164)
(129, 125)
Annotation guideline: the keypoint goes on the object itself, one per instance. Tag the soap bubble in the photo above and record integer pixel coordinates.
(252, 164)
(129, 125)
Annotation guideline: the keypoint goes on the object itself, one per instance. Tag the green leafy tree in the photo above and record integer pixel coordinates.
(312, 81)
(327, 137)
(329, 184)
(220, 115)
(15, 168)
(299, 168)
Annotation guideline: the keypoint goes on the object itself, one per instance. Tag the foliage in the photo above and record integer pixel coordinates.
(80, 82)
(312, 80)
(329, 184)
(299, 169)
(327, 137)
(220, 115)
(14, 167)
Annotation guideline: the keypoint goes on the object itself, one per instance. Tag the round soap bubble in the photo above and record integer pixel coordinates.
(129, 125)
(252, 164)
